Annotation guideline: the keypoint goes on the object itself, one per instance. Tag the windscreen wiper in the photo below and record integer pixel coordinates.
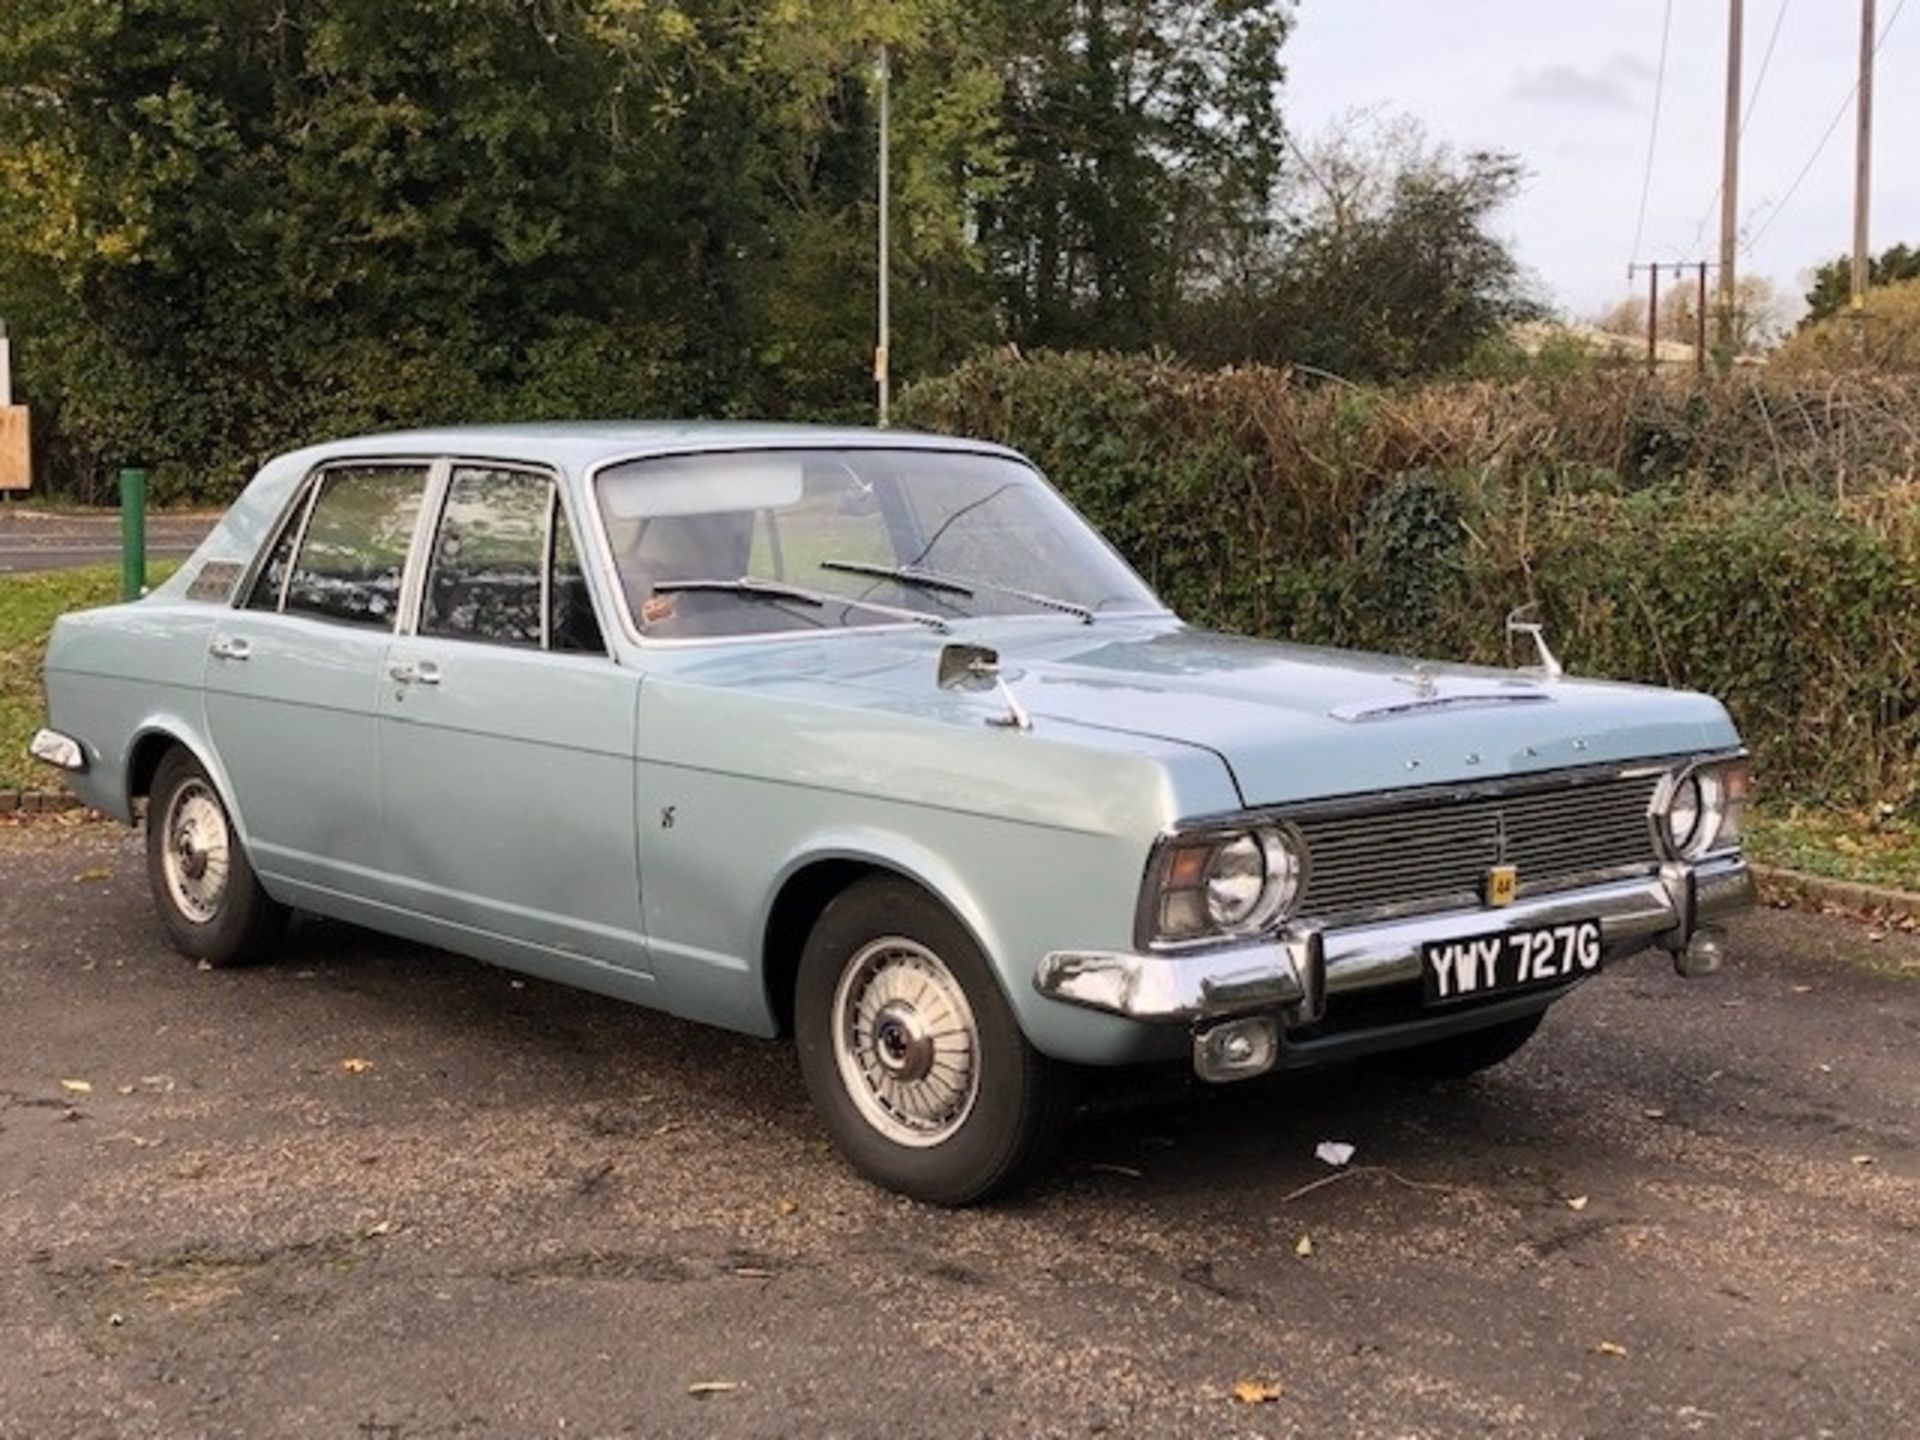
(955, 585)
(777, 591)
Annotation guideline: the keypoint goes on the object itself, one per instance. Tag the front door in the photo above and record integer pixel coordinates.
(506, 740)
(292, 681)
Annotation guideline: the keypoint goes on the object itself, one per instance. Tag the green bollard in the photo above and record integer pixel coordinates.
(133, 534)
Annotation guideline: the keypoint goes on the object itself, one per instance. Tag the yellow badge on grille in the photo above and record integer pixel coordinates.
(1502, 884)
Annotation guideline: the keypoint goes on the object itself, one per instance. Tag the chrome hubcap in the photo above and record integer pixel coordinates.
(905, 1042)
(197, 851)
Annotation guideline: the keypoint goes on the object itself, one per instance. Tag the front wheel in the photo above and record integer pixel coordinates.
(912, 1054)
(212, 905)
(1459, 1056)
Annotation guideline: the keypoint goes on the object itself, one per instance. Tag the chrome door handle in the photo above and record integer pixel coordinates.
(229, 647)
(425, 673)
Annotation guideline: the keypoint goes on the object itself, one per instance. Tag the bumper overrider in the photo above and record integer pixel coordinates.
(1254, 1005)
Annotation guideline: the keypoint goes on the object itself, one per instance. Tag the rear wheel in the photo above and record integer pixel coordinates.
(213, 907)
(912, 1054)
(1459, 1056)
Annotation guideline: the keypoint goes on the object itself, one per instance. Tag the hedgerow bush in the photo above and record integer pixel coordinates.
(1748, 538)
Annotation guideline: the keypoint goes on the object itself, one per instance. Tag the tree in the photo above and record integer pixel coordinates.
(1138, 136)
(1382, 263)
(1832, 288)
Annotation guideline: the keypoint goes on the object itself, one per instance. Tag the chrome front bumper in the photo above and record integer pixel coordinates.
(1294, 973)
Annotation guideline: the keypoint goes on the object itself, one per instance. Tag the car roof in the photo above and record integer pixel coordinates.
(580, 445)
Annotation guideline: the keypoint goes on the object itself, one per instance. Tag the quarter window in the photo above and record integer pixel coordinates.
(354, 548)
(484, 579)
(572, 625)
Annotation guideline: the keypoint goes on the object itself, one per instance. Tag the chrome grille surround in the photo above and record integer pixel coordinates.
(1409, 852)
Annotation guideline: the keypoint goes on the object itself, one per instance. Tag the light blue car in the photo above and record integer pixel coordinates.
(868, 738)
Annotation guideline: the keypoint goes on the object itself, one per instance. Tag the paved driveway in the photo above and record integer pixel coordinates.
(32, 539)
(1688, 1208)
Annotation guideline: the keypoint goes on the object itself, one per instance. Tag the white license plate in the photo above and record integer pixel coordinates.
(1514, 960)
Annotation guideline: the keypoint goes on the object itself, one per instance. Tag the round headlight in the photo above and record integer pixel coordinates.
(1236, 880)
(1684, 813)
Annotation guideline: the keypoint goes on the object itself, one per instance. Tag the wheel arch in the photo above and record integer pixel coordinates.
(814, 876)
(148, 748)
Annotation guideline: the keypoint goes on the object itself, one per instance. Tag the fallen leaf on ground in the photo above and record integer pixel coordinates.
(1304, 1247)
(124, 1089)
(77, 1087)
(1255, 1392)
(789, 1207)
(1803, 989)
(1862, 1159)
(1577, 1202)
(712, 1387)
(1654, 1112)
(1607, 1347)
(384, 1227)
(91, 875)
(354, 1065)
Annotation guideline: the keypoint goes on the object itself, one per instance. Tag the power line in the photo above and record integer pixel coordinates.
(1653, 129)
(1746, 116)
(1833, 125)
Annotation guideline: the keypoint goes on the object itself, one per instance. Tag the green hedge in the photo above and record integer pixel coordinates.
(1745, 538)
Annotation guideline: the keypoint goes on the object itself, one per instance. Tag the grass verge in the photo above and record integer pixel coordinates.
(29, 604)
(1870, 849)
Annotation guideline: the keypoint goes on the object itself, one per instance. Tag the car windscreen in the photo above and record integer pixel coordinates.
(827, 539)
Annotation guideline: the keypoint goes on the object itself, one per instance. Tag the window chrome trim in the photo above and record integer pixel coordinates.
(602, 544)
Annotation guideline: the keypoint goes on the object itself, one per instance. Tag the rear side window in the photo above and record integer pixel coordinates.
(353, 550)
(484, 580)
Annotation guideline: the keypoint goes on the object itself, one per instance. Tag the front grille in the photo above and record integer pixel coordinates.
(1428, 854)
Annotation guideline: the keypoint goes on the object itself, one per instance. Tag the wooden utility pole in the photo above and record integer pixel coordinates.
(1730, 179)
(1653, 316)
(1700, 324)
(1863, 157)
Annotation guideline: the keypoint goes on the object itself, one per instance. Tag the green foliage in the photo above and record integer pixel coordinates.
(1752, 540)
(1832, 290)
(1386, 265)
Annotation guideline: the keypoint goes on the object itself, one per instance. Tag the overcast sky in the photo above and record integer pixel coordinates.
(1568, 85)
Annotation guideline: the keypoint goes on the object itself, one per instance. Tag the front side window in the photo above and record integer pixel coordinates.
(353, 550)
(483, 579)
(770, 541)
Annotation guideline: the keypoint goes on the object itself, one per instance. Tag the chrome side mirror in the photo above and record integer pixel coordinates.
(1520, 623)
(975, 668)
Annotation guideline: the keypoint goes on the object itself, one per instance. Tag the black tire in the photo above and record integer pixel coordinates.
(1459, 1056)
(243, 925)
(1021, 1100)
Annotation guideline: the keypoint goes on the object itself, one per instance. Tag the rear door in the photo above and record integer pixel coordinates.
(506, 733)
(293, 676)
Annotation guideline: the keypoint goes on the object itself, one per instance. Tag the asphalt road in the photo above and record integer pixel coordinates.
(32, 539)
(1689, 1208)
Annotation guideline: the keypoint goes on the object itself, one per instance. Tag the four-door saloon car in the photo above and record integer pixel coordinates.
(868, 737)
